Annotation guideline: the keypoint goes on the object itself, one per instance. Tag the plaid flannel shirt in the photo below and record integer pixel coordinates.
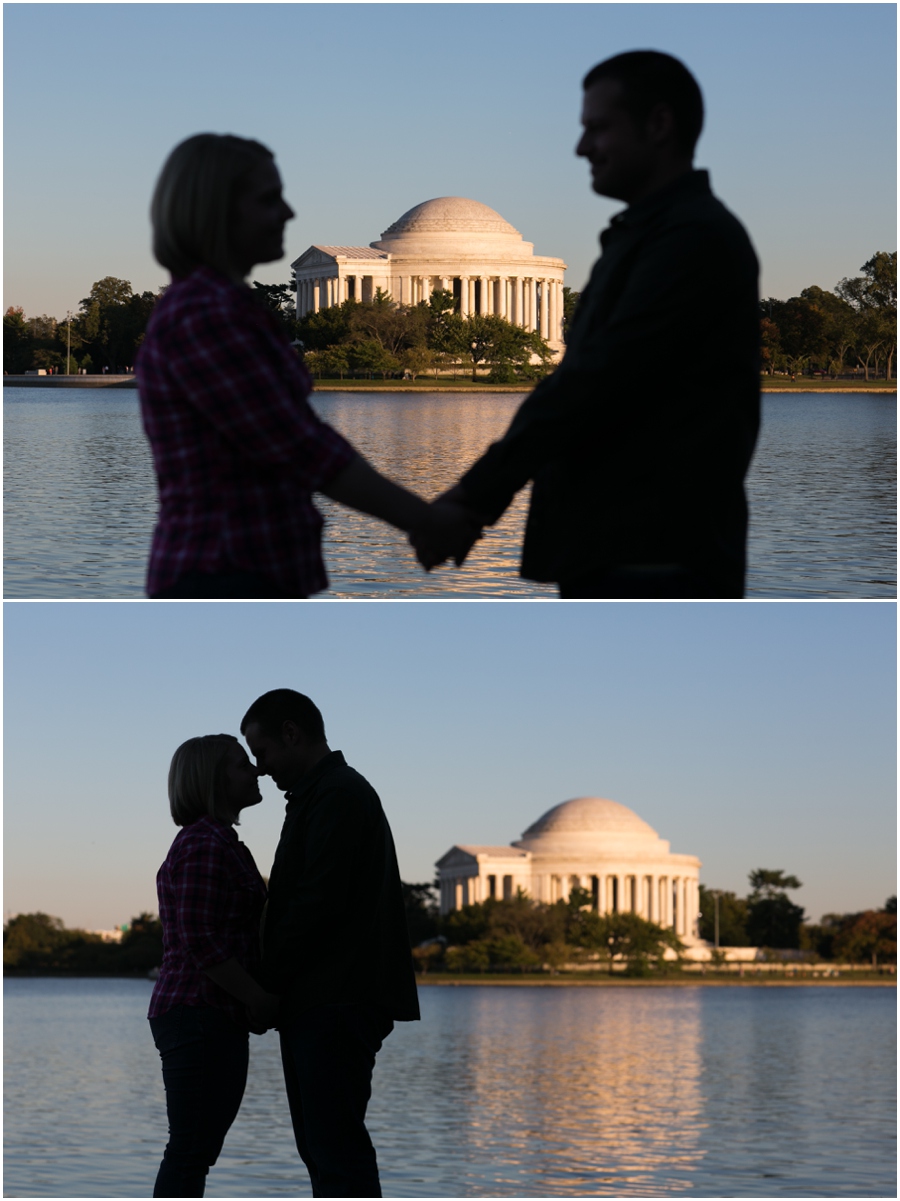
(211, 899)
(237, 448)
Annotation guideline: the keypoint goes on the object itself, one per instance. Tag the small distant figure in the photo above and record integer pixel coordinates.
(336, 1009)
(638, 461)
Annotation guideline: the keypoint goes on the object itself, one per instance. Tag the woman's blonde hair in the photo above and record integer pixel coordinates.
(193, 201)
(197, 779)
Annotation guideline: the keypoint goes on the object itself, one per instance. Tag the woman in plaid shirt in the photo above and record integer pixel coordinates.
(237, 449)
(205, 1001)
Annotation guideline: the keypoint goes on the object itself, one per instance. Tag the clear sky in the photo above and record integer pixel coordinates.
(374, 108)
(751, 735)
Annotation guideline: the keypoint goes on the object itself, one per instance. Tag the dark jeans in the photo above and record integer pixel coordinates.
(328, 1054)
(204, 1061)
(652, 581)
(224, 585)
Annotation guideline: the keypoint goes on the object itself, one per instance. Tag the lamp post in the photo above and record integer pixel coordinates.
(716, 892)
(69, 342)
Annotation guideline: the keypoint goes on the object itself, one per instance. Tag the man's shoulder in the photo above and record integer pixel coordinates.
(341, 778)
(707, 216)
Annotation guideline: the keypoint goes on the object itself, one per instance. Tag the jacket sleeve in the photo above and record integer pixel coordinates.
(680, 277)
(318, 901)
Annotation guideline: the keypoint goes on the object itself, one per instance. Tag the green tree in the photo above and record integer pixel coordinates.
(422, 917)
(773, 920)
(142, 946)
(281, 300)
(732, 918)
(18, 347)
(570, 303)
(874, 297)
(371, 358)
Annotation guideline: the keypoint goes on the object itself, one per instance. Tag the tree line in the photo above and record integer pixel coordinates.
(105, 332)
(514, 935)
(522, 935)
(767, 917)
(817, 332)
(823, 333)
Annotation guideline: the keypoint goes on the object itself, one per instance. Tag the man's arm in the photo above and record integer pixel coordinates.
(692, 270)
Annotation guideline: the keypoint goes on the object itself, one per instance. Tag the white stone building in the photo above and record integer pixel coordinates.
(595, 844)
(459, 245)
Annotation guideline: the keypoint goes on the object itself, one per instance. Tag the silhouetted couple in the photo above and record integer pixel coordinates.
(334, 878)
(637, 444)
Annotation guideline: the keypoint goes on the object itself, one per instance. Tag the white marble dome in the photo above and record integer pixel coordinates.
(589, 823)
(452, 221)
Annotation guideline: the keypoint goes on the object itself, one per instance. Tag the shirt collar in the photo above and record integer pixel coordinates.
(694, 183)
(304, 785)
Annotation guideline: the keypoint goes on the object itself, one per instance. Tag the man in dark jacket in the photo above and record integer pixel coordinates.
(638, 466)
(335, 941)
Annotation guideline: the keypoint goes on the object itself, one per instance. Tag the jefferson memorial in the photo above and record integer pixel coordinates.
(458, 245)
(591, 843)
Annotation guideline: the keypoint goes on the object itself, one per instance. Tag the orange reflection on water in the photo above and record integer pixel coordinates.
(584, 1091)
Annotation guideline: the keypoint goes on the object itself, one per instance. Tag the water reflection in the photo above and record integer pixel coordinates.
(81, 499)
(571, 1091)
(524, 1091)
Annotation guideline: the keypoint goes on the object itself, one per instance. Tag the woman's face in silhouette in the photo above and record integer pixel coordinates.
(241, 780)
(260, 215)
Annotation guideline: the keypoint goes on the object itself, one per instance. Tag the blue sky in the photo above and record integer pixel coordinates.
(374, 108)
(755, 735)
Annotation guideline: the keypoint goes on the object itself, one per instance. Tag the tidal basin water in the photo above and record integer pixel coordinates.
(80, 496)
(497, 1092)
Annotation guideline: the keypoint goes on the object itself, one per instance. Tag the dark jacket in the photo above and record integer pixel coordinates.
(639, 442)
(335, 925)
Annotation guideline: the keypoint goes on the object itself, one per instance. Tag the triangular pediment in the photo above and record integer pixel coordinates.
(315, 256)
(457, 857)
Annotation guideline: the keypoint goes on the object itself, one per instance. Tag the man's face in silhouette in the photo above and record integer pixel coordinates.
(624, 155)
(282, 756)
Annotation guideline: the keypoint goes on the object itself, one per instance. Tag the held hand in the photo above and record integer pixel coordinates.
(449, 531)
(264, 1012)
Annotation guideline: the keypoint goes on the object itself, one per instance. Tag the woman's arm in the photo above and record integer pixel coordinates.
(360, 486)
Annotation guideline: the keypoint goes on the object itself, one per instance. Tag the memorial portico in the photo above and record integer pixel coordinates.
(458, 245)
(590, 843)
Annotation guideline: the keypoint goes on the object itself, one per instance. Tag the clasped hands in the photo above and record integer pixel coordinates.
(449, 531)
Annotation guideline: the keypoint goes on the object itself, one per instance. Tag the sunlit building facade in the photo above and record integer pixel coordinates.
(452, 243)
(590, 843)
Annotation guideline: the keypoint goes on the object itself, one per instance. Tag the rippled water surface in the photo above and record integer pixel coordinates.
(519, 1092)
(81, 499)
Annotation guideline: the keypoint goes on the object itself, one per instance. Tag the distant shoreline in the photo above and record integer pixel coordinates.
(441, 981)
(129, 381)
(661, 982)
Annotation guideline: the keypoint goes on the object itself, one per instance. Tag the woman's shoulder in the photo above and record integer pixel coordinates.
(203, 832)
(204, 294)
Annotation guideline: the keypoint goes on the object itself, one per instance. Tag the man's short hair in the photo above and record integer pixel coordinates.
(192, 209)
(648, 78)
(273, 709)
(197, 785)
